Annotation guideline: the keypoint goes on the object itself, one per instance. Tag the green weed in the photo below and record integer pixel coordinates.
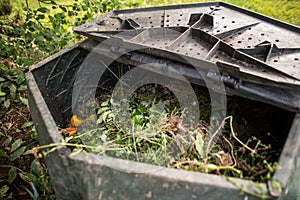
(151, 130)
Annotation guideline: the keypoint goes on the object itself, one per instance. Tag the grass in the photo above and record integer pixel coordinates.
(34, 4)
(288, 11)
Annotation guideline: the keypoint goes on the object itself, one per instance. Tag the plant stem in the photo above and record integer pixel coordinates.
(237, 139)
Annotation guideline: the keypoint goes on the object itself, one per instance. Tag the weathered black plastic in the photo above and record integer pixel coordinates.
(255, 54)
(82, 176)
(244, 41)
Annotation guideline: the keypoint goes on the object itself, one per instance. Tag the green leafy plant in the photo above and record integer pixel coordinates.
(27, 35)
(14, 140)
(151, 130)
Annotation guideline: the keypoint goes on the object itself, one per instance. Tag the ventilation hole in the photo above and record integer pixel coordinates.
(233, 22)
(179, 20)
(230, 37)
(225, 26)
(177, 24)
(112, 24)
(137, 18)
(262, 34)
(180, 15)
(153, 44)
(296, 58)
(249, 38)
(166, 43)
(223, 17)
(198, 54)
(276, 40)
(182, 46)
(149, 17)
(168, 15)
(150, 22)
(248, 47)
(177, 50)
(249, 28)
(152, 26)
(239, 33)
(275, 60)
(216, 56)
(195, 45)
(158, 40)
(218, 31)
(239, 42)
(191, 49)
(167, 21)
(168, 25)
(117, 28)
(252, 66)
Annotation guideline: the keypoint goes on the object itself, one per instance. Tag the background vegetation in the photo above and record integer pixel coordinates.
(31, 30)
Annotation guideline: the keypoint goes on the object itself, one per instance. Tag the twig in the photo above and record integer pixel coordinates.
(55, 146)
(212, 137)
(10, 166)
(27, 5)
(237, 139)
(233, 135)
(207, 166)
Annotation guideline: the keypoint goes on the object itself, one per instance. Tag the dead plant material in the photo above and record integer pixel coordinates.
(190, 148)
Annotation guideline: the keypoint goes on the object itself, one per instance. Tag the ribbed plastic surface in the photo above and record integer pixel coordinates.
(241, 40)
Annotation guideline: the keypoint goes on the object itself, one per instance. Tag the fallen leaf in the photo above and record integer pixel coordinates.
(70, 130)
(75, 121)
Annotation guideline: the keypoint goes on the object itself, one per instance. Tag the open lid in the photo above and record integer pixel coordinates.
(241, 43)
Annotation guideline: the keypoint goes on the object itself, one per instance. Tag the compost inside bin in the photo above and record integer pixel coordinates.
(248, 143)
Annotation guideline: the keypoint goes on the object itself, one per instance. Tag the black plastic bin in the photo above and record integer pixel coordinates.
(249, 72)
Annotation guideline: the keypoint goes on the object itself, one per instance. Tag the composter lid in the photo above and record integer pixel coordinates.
(242, 43)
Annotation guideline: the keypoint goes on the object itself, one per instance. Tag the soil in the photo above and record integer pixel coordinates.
(13, 119)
